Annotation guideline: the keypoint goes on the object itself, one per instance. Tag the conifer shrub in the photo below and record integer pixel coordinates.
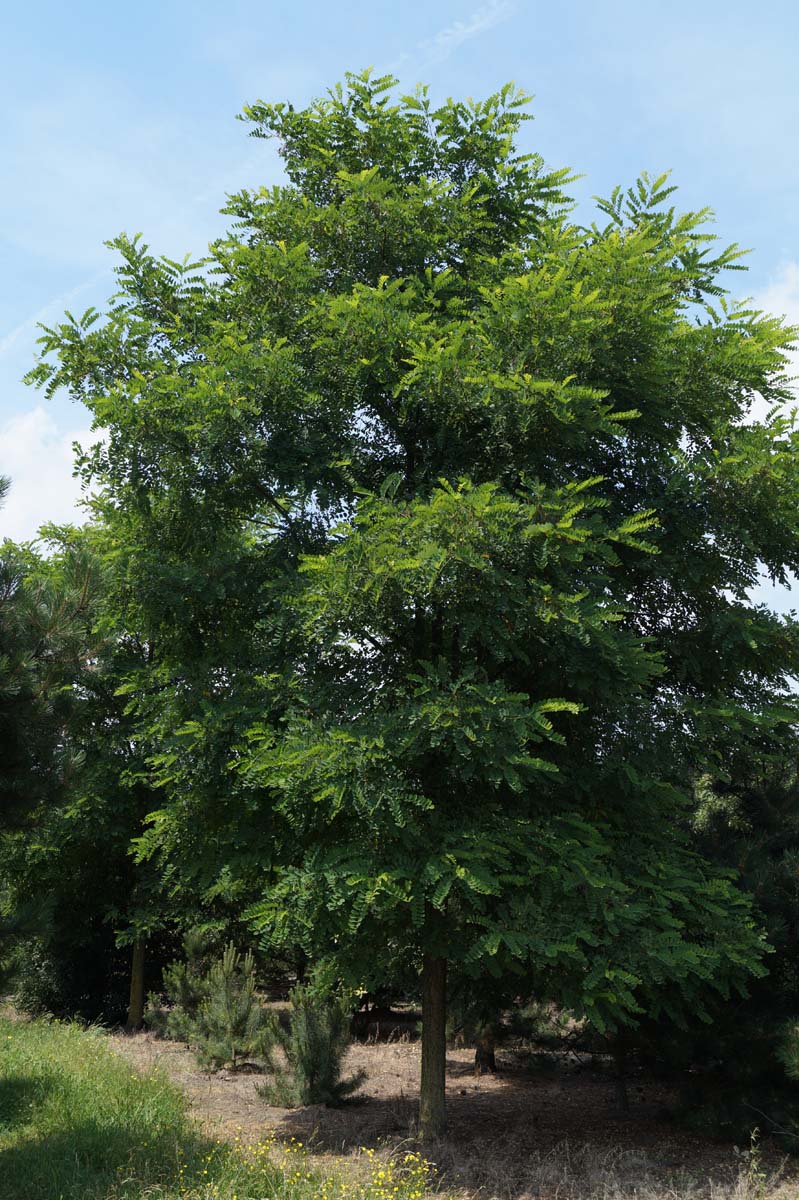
(231, 1025)
(313, 1046)
(216, 1010)
(185, 986)
(788, 1049)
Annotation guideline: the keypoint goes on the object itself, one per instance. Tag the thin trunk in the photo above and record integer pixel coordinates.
(485, 1062)
(136, 1004)
(432, 1106)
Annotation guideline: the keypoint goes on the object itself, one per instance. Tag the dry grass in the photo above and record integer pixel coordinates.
(551, 1135)
(589, 1172)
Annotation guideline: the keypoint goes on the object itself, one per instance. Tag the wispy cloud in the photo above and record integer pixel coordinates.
(781, 295)
(444, 43)
(50, 311)
(441, 45)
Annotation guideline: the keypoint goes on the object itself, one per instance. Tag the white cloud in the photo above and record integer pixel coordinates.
(781, 297)
(442, 44)
(445, 42)
(777, 596)
(38, 458)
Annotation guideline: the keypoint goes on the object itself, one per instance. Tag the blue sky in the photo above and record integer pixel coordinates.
(121, 117)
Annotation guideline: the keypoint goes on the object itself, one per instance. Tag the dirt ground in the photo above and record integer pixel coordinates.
(524, 1132)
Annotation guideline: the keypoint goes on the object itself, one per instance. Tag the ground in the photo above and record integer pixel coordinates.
(526, 1132)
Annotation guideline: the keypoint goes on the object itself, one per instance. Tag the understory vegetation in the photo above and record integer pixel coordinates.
(213, 1006)
(76, 1123)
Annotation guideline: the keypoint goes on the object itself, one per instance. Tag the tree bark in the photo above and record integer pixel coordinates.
(432, 1106)
(485, 1062)
(136, 1003)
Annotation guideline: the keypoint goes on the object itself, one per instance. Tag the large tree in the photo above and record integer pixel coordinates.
(443, 509)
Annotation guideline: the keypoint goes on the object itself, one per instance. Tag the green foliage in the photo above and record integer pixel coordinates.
(437, 515)
(230, 1025)
(80, 773)
(543, 1024)
(212, 1007)
(788, 1049)
(744, 1061)
(186, 988)
(313, 1047)
(46, 610)
(68, 968)
(37, 988)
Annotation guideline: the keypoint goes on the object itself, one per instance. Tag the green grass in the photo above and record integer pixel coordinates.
(77, 1124)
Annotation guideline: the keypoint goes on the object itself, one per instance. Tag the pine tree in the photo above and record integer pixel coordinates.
(313, 1047)
(213, 1007)
(73, 787)
(231, 1024)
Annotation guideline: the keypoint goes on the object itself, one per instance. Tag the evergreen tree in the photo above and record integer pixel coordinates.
(230, 1024)
(451, 505)
(213, 1006)
(745, 1061)
(313, 1047)
(79, 774)
(43, 614)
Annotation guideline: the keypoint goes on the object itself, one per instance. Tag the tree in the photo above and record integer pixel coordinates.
(450, 505)
(38, 627)
(747, 818)
(79, 772)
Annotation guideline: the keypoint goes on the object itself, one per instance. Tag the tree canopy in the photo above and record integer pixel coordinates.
(435, 512)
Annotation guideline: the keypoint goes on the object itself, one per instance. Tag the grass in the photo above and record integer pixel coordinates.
(77, 1124)
(591, 1172)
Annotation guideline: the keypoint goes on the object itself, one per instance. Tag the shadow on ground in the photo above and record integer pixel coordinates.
(537, 1133)
(89, 1159)
(537, 1128)
(20, 1096)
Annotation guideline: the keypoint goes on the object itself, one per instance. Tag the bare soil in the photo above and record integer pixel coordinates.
(521, 1133)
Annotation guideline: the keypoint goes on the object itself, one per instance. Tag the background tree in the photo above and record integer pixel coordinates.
(65, 861)
(451, 504)
(744, 1062)
(40, 620)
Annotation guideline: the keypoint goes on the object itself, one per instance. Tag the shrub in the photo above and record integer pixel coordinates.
(69, 973)
(215, 1009)
(231, 1024)
(313, 1046)
(185, 985)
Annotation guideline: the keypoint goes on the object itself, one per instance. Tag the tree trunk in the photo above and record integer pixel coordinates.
(485, 1062)
(432, 1106)
(136, 1004)
(620, 1079)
